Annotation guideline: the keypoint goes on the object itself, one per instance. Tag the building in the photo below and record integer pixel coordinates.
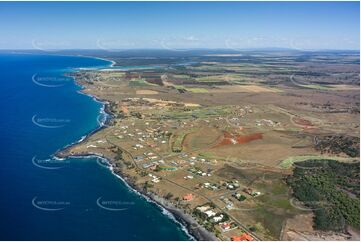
(210, 213)
(188, 197)
(225, 226)
(203, 208)
(218, 218)
(242, 237)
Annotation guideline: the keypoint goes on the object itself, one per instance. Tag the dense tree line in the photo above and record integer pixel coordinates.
(336, 144)
(331, 189)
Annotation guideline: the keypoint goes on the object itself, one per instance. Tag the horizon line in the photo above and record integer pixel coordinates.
(182, 49)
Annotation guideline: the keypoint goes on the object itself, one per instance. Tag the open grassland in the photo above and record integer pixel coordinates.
(139, 82)
(146, 92)
(244, 88)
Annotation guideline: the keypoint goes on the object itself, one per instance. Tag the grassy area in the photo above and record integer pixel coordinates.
(183, 76)
(197, 90)
(271, 221)
(139, 82)
(282, 203)
(177, 144)
(114, 74)
(207, 155)
(198, 113)
(211, 156)
(316, 86)
(212, 78)
(190, 89)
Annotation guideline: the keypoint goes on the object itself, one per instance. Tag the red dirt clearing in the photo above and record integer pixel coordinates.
(229, 139)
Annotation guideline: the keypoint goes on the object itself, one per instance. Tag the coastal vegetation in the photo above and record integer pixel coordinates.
(331, 189)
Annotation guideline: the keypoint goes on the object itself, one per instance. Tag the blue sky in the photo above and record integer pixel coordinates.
(175, 25)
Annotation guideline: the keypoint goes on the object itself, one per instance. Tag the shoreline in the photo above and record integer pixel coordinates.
(113, 63)
(186, 221)
(104, 110)
(188, 224)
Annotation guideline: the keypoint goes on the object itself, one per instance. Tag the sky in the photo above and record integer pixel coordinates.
(179, 25)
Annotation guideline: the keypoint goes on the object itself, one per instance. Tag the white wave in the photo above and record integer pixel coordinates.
(148, 199)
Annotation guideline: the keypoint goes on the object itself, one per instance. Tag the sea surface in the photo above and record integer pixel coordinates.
(72, 199)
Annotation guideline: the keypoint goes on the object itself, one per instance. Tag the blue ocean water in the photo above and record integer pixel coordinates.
(77, 199)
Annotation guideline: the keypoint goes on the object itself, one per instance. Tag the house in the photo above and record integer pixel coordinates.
(239, 196)
(153, 167)
(218, 218)
(146, 166)
(188, 177)
(242, 237)
(188, 197)
(210, 213)
(139, 146)
(229, 205)
(203, 208)
(156, 180)
(225, 226)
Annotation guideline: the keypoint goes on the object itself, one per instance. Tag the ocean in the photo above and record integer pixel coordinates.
(71, 199)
